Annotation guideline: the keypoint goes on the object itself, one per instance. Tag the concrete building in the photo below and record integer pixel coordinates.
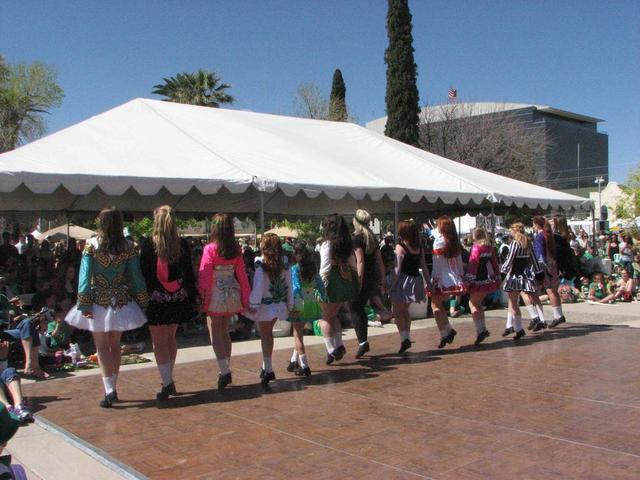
(571, 151)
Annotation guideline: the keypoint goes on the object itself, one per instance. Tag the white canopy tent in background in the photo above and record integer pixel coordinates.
(148, 152)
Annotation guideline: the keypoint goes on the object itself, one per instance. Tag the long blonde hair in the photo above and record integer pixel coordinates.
(480, 237)
(519, 235)
(361, 227)
(165, 234)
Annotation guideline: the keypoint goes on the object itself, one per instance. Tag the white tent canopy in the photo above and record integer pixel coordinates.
(147, 152)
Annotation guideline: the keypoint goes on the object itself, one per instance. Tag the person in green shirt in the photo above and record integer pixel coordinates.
(58, 332)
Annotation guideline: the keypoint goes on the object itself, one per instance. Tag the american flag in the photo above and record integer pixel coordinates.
(453, 93)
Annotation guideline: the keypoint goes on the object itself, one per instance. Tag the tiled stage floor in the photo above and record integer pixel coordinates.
(562, 404)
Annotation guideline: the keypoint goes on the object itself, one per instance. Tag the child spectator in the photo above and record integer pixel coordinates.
(625, 287)
(598, 290)
(10, 389)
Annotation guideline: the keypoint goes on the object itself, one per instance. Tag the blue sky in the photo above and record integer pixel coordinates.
(579, 55)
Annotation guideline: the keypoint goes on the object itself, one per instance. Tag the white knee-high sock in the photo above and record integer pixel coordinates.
(477, 322)
(302, 359)
(165, 374)
(223, 366)
(108, 384)
(328, 342)
(294, 356)
(266, 364)
(509, 319)
(517, 323)
(557, 312)
(540, 312)
(337, 339)
(533, 312)
(404, 335)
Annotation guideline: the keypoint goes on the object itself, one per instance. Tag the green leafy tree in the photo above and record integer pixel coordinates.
(628, 206)
(27, 93)
(202, 88)
(337, 100)
(402, 91)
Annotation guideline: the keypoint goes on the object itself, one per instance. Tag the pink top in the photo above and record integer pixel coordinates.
(210, 259)
(162, 269)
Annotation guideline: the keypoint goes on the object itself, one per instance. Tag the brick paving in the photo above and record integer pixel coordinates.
(561, 404)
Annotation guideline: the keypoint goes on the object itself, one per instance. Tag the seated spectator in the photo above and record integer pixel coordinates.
(568, 293)
(598, 290)
(584, 288)
(625, 287)
(636, 267)
(10, 388)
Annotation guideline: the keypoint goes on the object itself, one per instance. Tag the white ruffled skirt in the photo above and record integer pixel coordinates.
(121, 319)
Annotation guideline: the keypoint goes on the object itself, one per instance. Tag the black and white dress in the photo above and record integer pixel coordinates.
(520, 268)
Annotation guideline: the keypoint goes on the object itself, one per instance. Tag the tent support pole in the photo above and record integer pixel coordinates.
(395, 220)
(261, 216)
(593, 227)
(493, 225)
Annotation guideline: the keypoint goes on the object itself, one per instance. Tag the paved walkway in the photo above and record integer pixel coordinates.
(561, 404)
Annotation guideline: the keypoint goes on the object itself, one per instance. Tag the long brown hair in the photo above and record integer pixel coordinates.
(560, 226)
(549, 242)
(166, 241)
(223, 234)
(519, 235)
(271, 248)
(409, 233)
(447, 229)
(336, 231)
(111, 236)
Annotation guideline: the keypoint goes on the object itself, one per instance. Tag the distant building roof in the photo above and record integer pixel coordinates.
(469, 109)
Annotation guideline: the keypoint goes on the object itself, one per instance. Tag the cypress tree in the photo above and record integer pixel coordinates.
(402, 92)
(337, 101)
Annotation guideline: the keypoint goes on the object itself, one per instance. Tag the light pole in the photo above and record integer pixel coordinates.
(599, 181)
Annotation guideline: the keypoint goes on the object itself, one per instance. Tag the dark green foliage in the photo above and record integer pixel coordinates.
(402, 97)
(202, 88)
(337, 101)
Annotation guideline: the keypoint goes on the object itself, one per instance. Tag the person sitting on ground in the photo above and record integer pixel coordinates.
(568, 292)
(28, 334)
(598, 290)
(585, 282)
(10, 388)
(625, 287)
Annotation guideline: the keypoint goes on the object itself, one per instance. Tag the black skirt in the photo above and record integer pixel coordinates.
(167, 310)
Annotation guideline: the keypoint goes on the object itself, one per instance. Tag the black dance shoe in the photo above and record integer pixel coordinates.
(481, 337)
(164, 393)
(451, 336)
(224, 380)
(557, 322)
(519, 335)
(443, 342)
(115, 395)
(532, 324)
(330, 358)
(405, 345)
(108, 400)
(339, 352)
(292, 366)
(266, 377)
(362, 349)
(303, 372)
(508, 331)
(539, 326)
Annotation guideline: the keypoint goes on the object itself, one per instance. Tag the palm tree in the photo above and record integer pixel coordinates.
(202, 88)
(27, 93)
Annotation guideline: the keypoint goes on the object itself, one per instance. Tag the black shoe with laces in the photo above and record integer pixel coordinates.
(362, 349)
(519, 335)
(508, 331)
(224, 380)
(330, 358)
(166, 391)
(481, 337)
(266, 377)
(108, 400)
(451, 336)
(292, 366)
(532, 324)
(540, 326)
(339, 352)
(303, 372)
(557, 322)
(405, 345)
